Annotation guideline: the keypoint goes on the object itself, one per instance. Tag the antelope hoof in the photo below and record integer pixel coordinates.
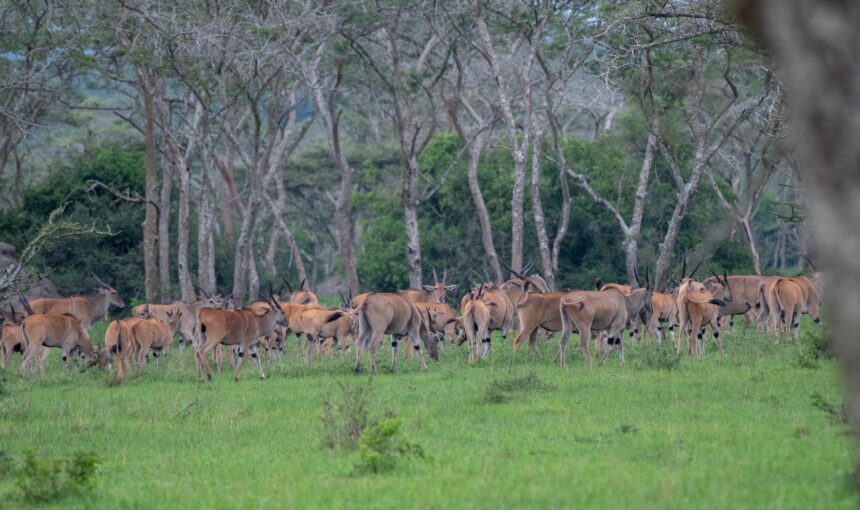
(263, 377)
(209, 376)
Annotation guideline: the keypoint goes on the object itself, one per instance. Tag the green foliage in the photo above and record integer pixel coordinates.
(345, 415)
(382, 446)
(815, 345)
(36, 479)
(501, 390)
(657, 356)
(118, 258)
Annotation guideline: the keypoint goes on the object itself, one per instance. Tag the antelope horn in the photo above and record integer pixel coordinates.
(725, 277)
(598, 283)
(343, 302)
(636, 275)
(696, 268)
(512, 271)
(103, 284)
(435, 276)
(444, 275)
(25, 303)
(303, 285)
(201, 290)
(289, 287)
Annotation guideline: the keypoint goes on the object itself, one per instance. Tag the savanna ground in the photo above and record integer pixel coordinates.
(758, 429)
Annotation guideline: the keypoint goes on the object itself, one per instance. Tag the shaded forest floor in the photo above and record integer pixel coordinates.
(760, 428)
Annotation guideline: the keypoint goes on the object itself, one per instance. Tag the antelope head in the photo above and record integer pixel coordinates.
(111, 293)
(439, 287)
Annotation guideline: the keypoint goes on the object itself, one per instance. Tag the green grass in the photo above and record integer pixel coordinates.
(743, 432)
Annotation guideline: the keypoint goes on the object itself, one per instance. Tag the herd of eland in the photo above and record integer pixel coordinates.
(524, 305)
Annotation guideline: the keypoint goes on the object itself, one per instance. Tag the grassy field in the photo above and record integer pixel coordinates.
(743, 432)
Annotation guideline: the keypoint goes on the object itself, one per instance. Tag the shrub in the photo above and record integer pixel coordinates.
(500, 390)
(346, 415)
(382, 445)
(41, 480)
(658, 356)
(814, 346)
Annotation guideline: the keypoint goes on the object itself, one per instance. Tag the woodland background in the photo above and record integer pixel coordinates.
(362, 144)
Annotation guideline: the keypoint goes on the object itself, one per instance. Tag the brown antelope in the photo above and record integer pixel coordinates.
(87, 309)
(63, 331)
(390, 314)
(601, 310)
(11, 337)
(697, 308)
(120, 344)
(242, 328)
(438, 317)
(430, 293)
(476, 320)
(784, 302)
(155, 334)
(664, 308)
(810, 287)
(303, 296)
(744, 295)
(187, 312)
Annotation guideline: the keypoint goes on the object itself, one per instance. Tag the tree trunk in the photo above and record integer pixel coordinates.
(481, 207)
(184, 234)
(164, 236)
(410, 216)
(815, 44)
(745, 222)
(631, 237)
(667, 247)
(150, 225)
(277, 207)
(537, 210)
(204, 235)
(271, 252)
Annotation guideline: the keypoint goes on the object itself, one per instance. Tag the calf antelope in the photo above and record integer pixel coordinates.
(154, 334)
(602, 310)
(438, 317)
(87, 309)
(390, 314)
(697, 308)
(241, 328)
(42, 331)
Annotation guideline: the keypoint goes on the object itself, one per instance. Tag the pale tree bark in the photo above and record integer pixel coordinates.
(150, 225)
(205, 225)
(815, 45)
(277, 207)
(327, 108)
(457, 104)
(537, 207)
(164, 235)
(708, 134)
(519, 143)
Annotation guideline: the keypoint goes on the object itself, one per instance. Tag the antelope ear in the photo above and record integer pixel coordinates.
(428, 287)
(451, 287)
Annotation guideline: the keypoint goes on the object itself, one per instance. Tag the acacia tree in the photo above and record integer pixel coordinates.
(401, 50)
(746, 165)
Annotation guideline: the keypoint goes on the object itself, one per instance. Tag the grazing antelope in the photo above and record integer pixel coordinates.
(87, 309)
(120, 344)
(11, 337)
(811, 295)
(430, 293)
(242, 328)
(438, 317)
(697, 308)
(601, 310)
(390, 314)
(63, 331)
